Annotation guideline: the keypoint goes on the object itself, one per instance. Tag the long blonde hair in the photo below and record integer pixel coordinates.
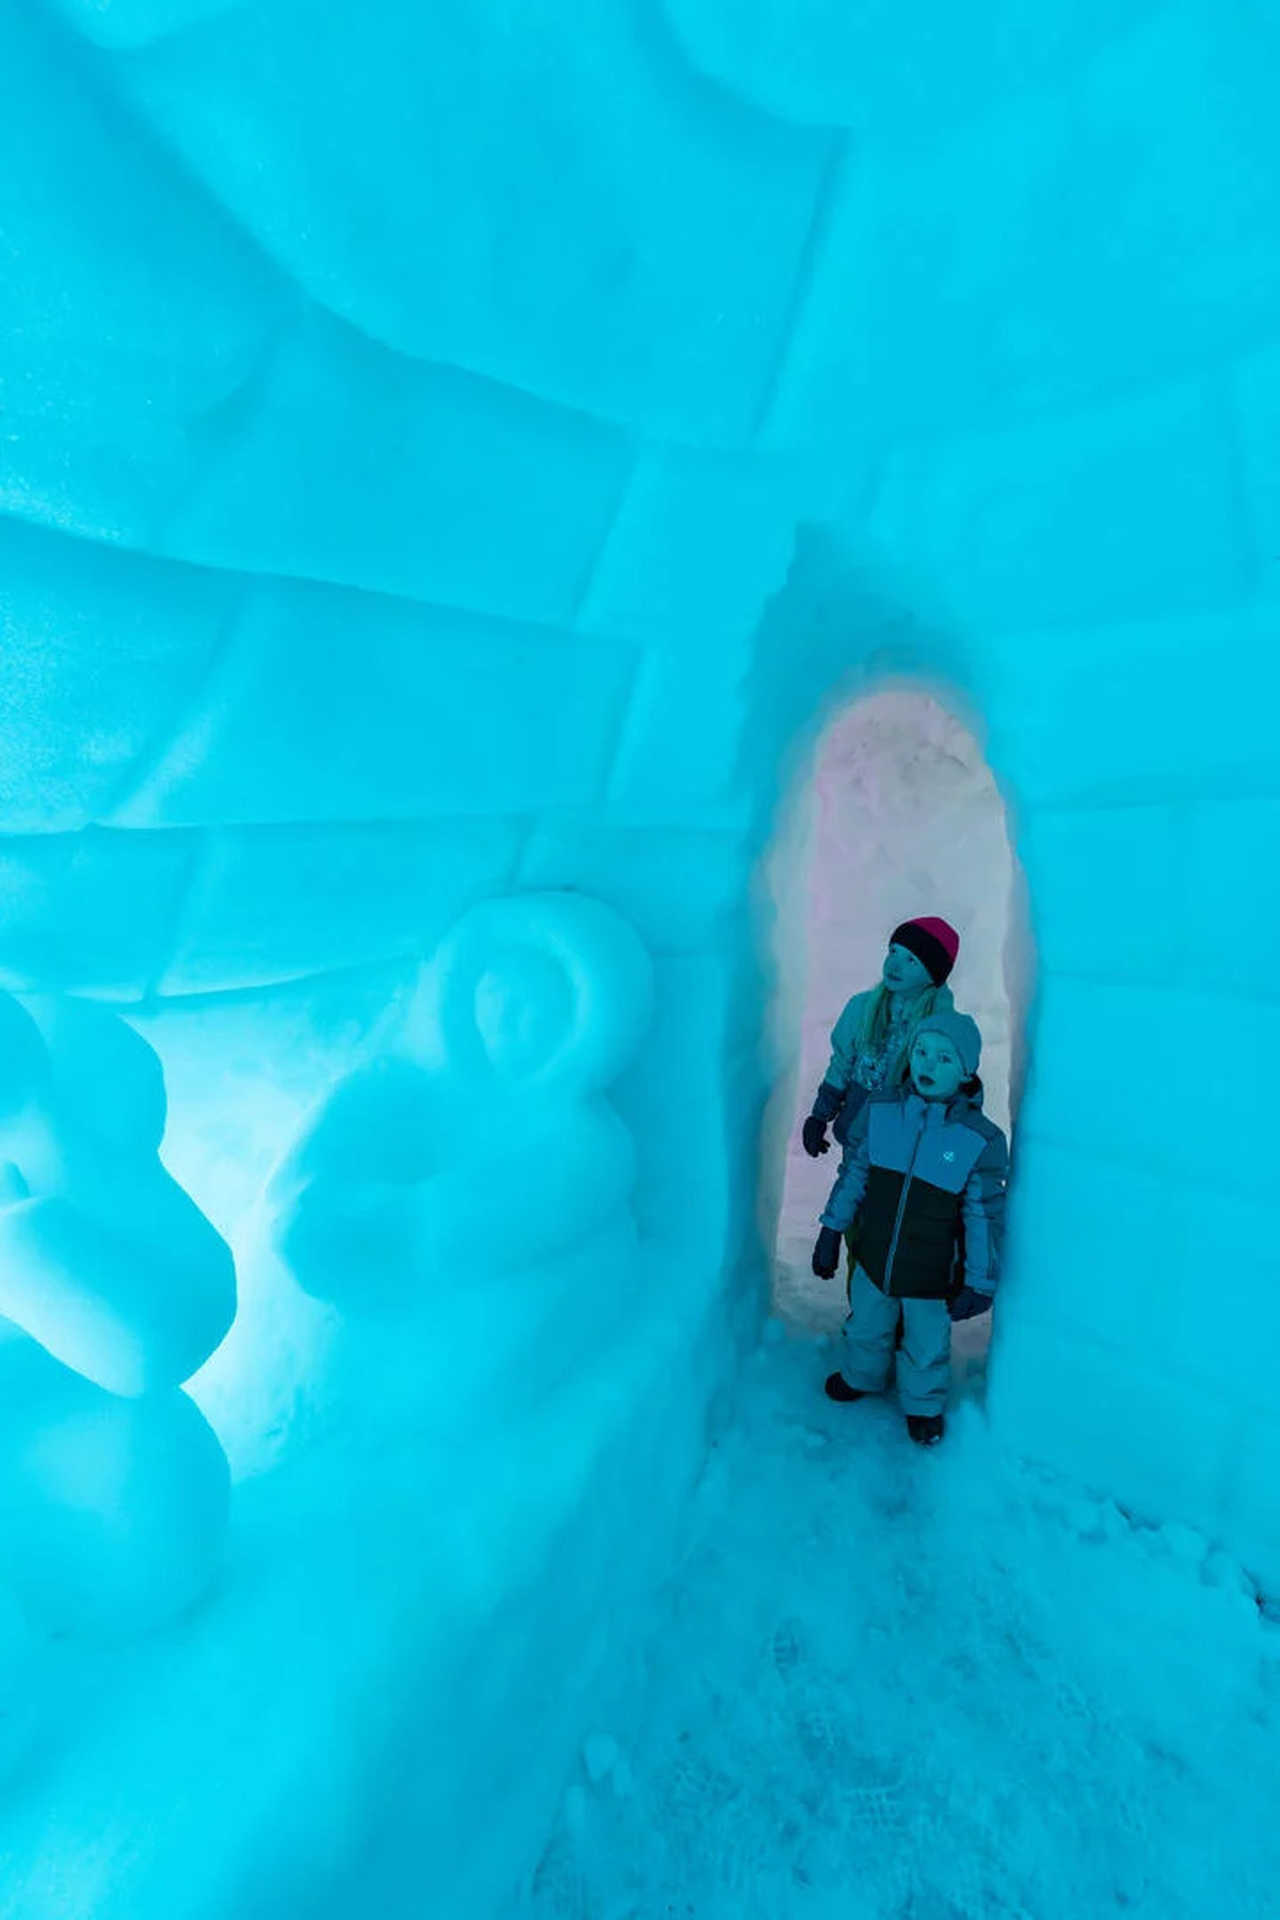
(875, 1026)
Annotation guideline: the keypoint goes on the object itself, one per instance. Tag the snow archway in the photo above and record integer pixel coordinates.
(903, 817)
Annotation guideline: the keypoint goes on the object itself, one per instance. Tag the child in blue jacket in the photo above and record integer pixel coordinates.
(924, 1172)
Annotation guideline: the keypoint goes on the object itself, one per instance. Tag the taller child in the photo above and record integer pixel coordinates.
(871, 1041)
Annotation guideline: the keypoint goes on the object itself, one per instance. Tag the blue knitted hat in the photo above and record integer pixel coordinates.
(960, 1030)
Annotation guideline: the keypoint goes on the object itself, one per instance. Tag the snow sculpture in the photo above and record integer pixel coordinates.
(114, 1288)
(481, 1147)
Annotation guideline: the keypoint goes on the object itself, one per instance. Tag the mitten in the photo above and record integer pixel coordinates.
(814, 1135)
(968, 1304)
(826, 1253)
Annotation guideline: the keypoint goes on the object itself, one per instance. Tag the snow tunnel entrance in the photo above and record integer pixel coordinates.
(900, 817)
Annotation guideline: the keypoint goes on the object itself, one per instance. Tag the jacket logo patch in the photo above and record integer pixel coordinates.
(948, 1155)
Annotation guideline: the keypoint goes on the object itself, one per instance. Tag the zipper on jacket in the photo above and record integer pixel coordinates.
(902, 1206)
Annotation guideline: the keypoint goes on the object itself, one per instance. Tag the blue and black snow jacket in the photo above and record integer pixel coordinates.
(920, 1178)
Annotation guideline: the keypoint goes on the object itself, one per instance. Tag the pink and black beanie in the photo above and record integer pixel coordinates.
(934, 944)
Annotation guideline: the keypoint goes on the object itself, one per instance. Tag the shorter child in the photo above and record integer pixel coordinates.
(923, 1172)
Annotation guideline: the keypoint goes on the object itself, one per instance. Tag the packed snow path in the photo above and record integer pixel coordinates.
(926, 1686)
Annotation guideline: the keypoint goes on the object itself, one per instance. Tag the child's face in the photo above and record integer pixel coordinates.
(903, 973)
(936, 1072)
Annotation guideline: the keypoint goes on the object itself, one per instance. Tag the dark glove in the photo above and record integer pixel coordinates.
(814, 1135)
(968, 1304)
(826, 1253)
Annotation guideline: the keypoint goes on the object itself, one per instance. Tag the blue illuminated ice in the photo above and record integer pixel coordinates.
(114, 1289)
(458, 465)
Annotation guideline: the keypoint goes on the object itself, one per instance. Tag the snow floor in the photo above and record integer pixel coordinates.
(884, 1682)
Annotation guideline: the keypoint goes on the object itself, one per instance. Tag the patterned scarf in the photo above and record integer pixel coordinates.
(874, 1063)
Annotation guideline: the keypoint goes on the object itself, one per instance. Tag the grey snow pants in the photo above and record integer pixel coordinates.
(924, 1358)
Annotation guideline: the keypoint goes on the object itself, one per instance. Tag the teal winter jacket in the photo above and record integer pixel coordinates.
(848, 1080)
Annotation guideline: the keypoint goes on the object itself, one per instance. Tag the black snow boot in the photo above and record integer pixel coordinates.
(926, 1429)
(838, 1388)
